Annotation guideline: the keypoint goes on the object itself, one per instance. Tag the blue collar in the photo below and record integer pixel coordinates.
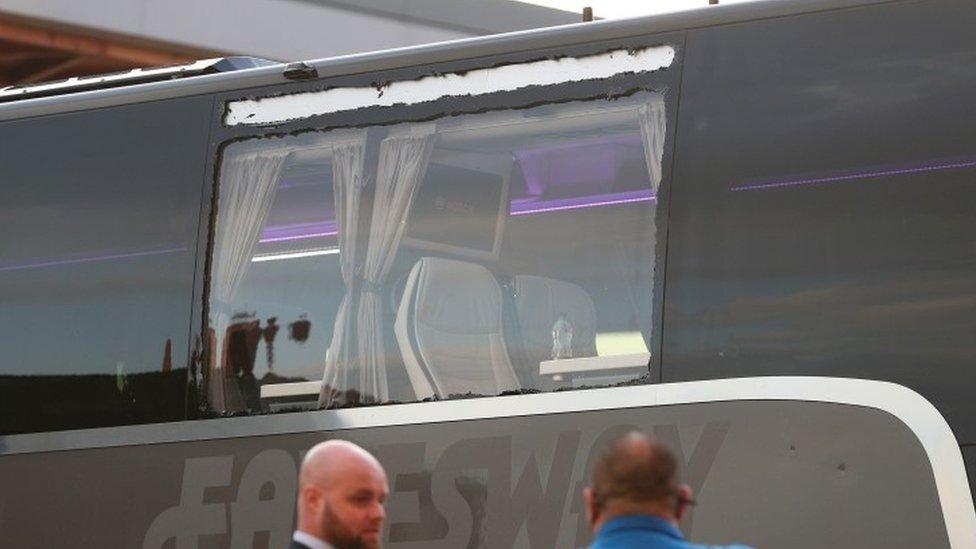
(639, 522)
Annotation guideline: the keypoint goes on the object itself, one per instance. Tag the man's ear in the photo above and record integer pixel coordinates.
(592, 507)
(311, 498)
(685, 499)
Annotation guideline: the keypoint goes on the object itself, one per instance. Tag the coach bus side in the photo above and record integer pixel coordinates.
(798, 182)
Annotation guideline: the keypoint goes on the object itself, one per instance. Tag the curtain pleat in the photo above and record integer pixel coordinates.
(348, 182)
(248, 180)
(402, 165)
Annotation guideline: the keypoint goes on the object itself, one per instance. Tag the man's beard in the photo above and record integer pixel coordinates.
(339, 535)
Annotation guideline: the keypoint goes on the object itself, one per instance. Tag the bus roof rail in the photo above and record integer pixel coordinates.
(129, 77)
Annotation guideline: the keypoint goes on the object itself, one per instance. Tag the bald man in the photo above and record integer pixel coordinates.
(634, 499)
(341, 492)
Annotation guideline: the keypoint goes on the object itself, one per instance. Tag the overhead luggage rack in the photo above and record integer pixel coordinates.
(130, 77)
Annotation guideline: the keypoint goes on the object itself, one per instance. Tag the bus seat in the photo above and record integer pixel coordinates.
(449, 330)
(538, 303)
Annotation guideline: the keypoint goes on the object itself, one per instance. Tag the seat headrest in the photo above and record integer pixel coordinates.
(538, 303)
(457, 296)
(450, 333)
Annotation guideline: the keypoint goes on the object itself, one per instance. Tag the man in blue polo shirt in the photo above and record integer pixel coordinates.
(634, 499)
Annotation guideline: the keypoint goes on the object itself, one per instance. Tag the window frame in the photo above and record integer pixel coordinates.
(664, 81)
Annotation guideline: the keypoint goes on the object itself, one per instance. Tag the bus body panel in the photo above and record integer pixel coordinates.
(823, 213)
(770, 473)
(421, 55)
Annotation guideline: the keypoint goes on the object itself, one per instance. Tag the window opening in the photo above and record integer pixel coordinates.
(472, 255)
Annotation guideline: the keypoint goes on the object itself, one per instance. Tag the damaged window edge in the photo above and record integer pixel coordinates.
(380, 87)
(377, 84)
(253, 133)
(256, 134)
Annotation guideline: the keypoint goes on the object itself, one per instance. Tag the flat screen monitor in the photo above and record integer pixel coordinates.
(461, 205)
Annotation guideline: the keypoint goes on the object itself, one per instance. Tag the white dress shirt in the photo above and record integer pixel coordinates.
(310, 541)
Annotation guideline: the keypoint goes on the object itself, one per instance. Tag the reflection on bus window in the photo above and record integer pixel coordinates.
(473, 255)
(98, 212)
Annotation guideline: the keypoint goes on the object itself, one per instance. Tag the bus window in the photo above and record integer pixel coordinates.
(98, 212)
(477, 254)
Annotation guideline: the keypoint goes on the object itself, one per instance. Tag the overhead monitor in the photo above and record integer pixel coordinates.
(461, 205)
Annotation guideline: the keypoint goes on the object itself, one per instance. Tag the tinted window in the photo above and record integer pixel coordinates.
(824, 214)
(99, 215)
(477, 254)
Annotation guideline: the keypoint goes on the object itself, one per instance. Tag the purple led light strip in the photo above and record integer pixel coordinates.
(858, 175)
(292, 232)
(301, 231)
(580, 203)
(89, 259)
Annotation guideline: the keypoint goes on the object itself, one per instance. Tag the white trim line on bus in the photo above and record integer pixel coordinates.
(546, 72)
(917, 413)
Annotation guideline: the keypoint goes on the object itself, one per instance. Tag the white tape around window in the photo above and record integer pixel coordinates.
(547, 72)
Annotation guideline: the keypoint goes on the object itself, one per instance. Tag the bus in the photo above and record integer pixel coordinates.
(748, 230)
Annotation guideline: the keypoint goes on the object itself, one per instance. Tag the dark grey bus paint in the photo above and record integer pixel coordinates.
(769, 474)
(823, 218)
(815, 217)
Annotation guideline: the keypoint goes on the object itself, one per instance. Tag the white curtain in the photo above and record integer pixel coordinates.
(653, 126)
(356, 360)
(248, 179)
(402, 165)
(348, 182)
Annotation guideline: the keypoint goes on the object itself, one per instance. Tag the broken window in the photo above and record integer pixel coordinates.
(471, 255)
